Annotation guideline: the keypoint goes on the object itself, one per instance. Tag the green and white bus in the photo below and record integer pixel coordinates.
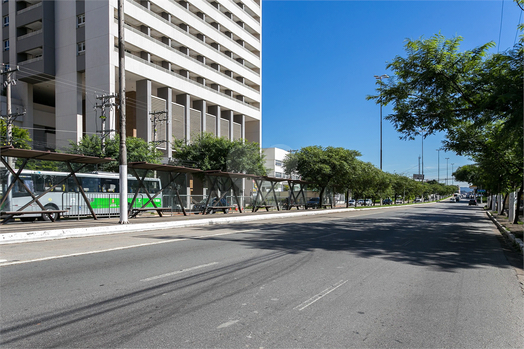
(101, 189)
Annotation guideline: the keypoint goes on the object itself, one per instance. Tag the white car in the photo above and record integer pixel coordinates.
(352, 202)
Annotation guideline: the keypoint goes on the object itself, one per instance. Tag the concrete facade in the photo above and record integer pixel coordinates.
(198, 61)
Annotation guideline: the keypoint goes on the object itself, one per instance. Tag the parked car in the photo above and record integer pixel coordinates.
(418, 200)
(399, 201)
(352, 202)
(201, 206)
(313, 203)
(367, 202)
(360, 202)
(472, 202)
(387, 201)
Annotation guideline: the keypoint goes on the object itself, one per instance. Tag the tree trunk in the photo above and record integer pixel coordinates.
(504, 202)
(321, 196)
(517, 206)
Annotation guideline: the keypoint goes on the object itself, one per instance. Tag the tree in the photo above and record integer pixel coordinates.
(473, 96)
(137, 150)
(21, 137)
(322, 167)
(436, 87)
(207, 152)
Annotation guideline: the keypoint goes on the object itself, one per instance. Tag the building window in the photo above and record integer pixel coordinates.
(6, 45)
(81, 20)
(6, 21)
(81, 48)
(278, 174)
(278, 163)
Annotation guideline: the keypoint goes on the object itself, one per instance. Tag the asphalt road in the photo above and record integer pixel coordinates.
(426, 276)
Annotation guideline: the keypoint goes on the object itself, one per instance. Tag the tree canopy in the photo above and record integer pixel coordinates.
(474, 96)
(137, 150)
(436, 87)
(21, 137)
(208, 152)
(322, 166)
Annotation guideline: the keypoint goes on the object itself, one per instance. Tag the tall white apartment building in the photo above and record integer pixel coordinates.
(191, 66)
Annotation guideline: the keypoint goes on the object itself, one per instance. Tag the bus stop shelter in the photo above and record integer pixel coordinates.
(173, 172)
(220, 183)
(294, 199)
(26, 155)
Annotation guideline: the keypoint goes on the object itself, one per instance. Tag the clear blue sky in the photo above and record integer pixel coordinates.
(319, 59)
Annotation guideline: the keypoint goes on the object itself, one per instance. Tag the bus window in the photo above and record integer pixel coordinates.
(71, 185)
(19, 189)
(109, 185)
(132, 185)
(153, 186)
(90, 184)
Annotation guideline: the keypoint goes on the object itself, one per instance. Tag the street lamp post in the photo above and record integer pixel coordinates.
(452, 173)
(383, 76)
(447, 171)
(438, 165)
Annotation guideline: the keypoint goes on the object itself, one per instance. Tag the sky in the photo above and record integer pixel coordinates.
(319, 59)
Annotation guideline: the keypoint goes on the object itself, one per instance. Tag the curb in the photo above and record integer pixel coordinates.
(507, 234)
(54, 234)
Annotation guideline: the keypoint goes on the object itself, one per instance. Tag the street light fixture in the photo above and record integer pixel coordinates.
(383, 76)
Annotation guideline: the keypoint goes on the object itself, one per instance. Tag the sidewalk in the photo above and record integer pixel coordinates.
(65, 228)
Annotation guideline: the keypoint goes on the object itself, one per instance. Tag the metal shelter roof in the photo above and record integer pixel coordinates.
(51, 156)
(230, 174)
(159, 167)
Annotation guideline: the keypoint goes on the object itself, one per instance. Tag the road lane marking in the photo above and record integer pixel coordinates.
(178, 272)
(319, 296)
(227, 324)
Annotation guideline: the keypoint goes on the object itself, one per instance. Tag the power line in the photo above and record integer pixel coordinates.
(501, 19)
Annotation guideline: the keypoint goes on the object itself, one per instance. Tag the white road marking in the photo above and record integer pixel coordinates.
(319, 296)
(227, 324)
(3, 264)
(179, 271)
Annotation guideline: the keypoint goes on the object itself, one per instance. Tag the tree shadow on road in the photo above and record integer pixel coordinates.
(445, 237)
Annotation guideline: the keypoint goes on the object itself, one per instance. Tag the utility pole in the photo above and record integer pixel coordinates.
(124, 218)
(419, 164)
(156, 119)
(9, 117)
(452, 173)
(383, 76)
(438, 165)
(447, 173)
(106, 103)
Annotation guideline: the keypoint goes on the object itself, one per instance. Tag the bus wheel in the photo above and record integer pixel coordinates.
(47, 217)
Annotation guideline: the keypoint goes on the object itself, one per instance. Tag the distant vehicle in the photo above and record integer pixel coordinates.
(360, 202)
(472, 202)
(367, 202)
(352, 202)
(387, 201)
(313, 203)
(418, 200)
(399, 201)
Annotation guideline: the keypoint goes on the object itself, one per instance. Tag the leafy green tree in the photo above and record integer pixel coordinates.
(208, 152)
(21, 137)
(322, 167)
(436, 87)
(137, 150)
(473, 96)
